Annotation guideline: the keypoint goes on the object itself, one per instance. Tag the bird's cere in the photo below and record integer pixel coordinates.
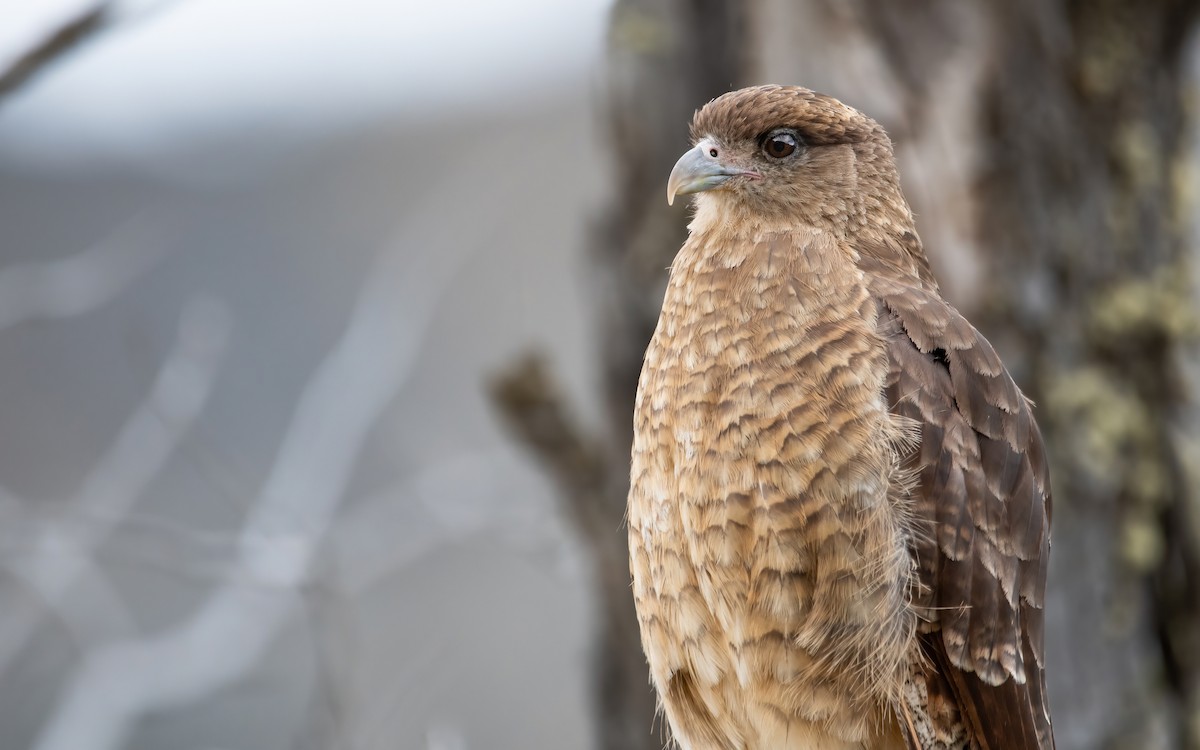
(700, 169)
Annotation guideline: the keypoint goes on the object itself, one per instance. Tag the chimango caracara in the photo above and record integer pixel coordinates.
(839, 514)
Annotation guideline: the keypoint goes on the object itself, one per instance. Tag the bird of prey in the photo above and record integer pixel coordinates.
(839, 516)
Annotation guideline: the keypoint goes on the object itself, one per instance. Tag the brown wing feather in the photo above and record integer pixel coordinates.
(983, 495)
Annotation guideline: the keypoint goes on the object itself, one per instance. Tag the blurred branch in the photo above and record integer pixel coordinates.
(527, 397)
(57, 34)
(36, 37)
(61, 555)
(534, 410)
(445, 502)
(430, 672)
(82, 282)
(449, 501)
(95, 612)
(229, 632)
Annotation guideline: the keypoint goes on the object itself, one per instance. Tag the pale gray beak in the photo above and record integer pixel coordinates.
(697, 170)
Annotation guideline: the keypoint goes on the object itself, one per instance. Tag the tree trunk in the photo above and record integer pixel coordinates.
(1044, 147)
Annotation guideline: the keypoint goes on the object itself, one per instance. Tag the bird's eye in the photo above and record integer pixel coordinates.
(779, 145)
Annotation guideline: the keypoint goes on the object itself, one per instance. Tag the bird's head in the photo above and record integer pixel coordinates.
(787, 152)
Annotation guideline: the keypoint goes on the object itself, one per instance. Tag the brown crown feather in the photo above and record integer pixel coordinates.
(752, 112)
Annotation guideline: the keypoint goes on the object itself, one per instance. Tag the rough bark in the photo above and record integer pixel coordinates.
(1043, 146)
(1082, 174)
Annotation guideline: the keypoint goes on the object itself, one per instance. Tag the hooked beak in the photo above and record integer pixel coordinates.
(697, 170)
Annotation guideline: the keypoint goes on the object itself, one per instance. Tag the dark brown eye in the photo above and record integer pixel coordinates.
(779, 145)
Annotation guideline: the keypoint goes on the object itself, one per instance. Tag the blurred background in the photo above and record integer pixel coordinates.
(320, 324)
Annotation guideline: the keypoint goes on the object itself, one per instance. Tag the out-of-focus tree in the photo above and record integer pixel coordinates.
(1048, 149)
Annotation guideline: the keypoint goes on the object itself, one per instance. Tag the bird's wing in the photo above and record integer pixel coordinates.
(982, 510)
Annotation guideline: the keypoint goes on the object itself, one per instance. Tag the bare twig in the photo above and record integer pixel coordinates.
(60, 555)
(95, 613)
(591, 486)
(82, 282)
(528, 398)
(229, 632)
(65, 34)
(381, 533)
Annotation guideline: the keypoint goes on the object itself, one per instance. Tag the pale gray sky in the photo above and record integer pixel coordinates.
(188, 69)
